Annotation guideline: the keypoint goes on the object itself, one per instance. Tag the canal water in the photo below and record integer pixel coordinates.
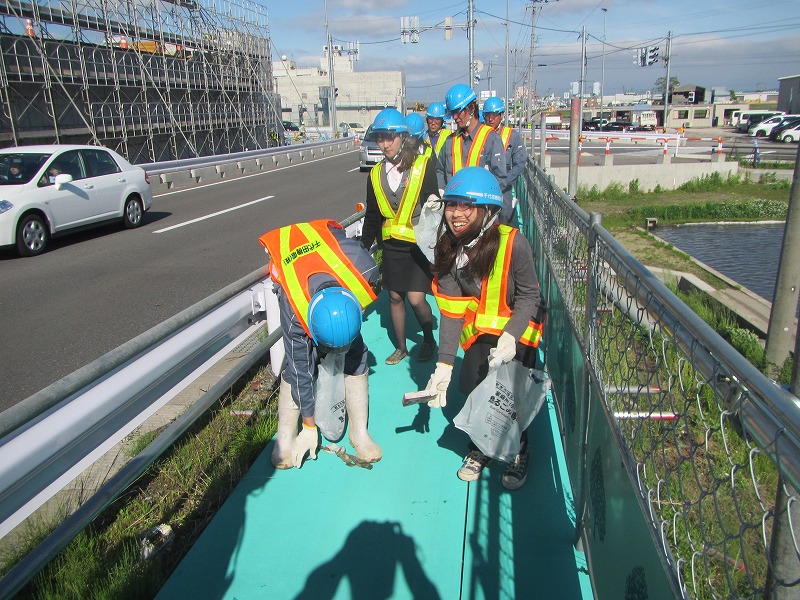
(748, 253)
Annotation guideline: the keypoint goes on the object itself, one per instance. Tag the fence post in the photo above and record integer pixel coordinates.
(589, 321)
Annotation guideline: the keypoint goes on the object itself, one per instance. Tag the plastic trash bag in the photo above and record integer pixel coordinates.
(427, 228)
(501, 408)
(329, 410)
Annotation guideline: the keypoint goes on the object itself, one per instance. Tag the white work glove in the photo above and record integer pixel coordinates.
(505, 351)
(438, 383)
(307, 441)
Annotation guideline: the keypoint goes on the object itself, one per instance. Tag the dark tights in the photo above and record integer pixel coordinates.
(422, 310)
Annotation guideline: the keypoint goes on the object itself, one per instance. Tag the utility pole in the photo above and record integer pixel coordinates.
(787, 284)
(508, 95)
(603, 75)
(529, 94)
(666, 85)
(583, 64)
(331, 78)
(471, 36)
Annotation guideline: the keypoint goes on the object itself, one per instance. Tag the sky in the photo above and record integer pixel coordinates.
(734, 44)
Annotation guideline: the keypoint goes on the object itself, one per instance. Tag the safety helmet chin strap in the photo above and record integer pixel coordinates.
(488, 221)
(393, 160)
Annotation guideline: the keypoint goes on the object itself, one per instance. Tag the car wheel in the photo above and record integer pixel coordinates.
(786, 139)
(760, 133)
(132, 216)
(32, 235)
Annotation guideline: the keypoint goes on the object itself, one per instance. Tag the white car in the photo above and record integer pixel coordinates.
(49, 190)
(765, 127)
(791, 135)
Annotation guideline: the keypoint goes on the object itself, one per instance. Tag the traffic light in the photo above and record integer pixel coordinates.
(335, 92)
(652, 55)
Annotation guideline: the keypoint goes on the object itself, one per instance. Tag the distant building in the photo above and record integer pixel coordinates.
(359, 95)
(789, 94)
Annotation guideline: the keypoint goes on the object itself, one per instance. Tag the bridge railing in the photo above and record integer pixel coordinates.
(684, 458)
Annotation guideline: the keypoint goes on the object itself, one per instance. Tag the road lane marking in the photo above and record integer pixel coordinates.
(216, 214)
(240, 177)
(356, 169)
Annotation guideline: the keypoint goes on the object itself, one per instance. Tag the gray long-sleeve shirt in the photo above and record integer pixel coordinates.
(524, 298)
(302, 360)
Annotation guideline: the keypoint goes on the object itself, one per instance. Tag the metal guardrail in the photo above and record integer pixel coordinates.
(648, 393)
(63, 417)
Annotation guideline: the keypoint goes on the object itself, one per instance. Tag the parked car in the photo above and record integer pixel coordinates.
(617, 126)
(369, 153)
(756, 119)
(290, 126)
(46, 191)
(353, 127)
(764, 127)
(791, 135)
(775, 134)
(594, 124)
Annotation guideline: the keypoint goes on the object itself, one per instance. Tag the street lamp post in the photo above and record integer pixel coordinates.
(603, 74)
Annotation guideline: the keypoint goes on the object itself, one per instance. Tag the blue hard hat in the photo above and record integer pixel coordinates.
(494, 105)
(334, 319)
(458, 97)
(475, 185)
(480, 115)
(390, 119)
(437, 110)
(415, 124)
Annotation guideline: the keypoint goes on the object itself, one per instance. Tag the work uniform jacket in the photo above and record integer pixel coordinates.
(299, 270)
(516, 157)
(489, 154)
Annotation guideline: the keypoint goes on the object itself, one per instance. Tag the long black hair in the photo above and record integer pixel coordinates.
(481, 254)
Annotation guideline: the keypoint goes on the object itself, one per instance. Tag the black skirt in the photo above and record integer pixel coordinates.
(404, 268)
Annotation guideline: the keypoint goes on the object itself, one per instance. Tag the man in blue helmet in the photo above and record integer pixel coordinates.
(473, 145)
(323, 282)
(434, 117)
(516, 155)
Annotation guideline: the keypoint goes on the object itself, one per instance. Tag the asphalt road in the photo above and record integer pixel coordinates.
(93, 291)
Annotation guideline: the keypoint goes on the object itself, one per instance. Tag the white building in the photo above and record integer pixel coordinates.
(360, 95)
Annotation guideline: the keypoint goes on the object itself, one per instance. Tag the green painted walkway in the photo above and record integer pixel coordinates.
(408, 528)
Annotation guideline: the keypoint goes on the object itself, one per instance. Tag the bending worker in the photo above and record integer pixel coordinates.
(324, 281)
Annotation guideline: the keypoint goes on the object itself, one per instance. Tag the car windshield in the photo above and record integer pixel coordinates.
(356, 126)
(20, 168)
(370, 135)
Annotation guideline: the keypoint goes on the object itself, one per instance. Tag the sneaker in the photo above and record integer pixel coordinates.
(396, 356)
(516, 473)
(426, 351)
(474, 463)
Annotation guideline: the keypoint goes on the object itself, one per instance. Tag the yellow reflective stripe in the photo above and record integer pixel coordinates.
(505, 135)
(496, 277)
(458, 149)
(452, 306)
(398, 225)
(443, 135)
(475, 151)
(343, 271)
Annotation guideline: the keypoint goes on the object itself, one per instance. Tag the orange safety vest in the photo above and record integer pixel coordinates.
(299, 251)
(398, 225)
(491, 313)
(505, 135)
(475, 151)
(443, 135)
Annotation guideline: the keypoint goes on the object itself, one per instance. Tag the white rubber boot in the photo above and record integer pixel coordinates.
(356, 400)
(288, 417)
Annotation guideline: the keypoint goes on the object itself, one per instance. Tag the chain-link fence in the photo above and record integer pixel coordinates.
(710, 446)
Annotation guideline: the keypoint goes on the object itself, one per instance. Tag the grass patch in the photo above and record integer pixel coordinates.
(184, 489)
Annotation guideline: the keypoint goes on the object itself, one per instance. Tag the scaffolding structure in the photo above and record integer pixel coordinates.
(152, 79)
